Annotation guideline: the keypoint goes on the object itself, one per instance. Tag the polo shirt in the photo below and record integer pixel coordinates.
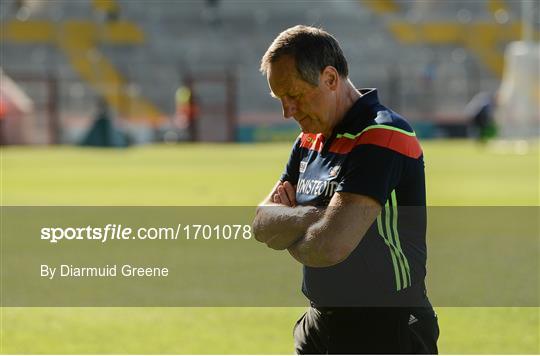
(373, 151)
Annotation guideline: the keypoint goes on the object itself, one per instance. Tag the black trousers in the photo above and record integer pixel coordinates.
(367, 331)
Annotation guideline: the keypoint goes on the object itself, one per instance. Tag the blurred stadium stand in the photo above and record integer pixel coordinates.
(428, 58)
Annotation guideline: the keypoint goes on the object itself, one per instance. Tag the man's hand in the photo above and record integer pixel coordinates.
(285, 194)
(279, 222)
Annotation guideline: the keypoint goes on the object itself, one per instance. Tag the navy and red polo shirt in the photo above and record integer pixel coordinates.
(374, 152)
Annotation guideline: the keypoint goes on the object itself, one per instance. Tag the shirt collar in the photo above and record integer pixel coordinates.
(364, 104)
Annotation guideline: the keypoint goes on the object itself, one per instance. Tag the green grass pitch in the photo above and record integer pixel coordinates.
(458, 173)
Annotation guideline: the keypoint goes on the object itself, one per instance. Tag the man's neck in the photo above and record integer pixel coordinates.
(350, 95)
(346, 97)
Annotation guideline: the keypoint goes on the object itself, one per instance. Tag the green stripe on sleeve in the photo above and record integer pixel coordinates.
(391, 237)
(401, 255)
(394, 261)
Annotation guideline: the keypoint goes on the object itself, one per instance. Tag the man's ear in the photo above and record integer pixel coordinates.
(330, 77)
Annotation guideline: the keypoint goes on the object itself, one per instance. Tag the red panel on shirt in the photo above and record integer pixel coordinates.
(394, 140)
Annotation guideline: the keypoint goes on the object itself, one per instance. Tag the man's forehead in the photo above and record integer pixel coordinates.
(282, 75)
(281, 71)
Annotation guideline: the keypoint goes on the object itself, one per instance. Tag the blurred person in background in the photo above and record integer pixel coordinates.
(335, 208)
(103, 132)
(187, 111)
(480, 112)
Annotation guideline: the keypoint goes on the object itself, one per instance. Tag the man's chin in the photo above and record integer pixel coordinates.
(308, 130)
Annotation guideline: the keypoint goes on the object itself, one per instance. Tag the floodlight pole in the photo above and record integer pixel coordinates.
(527, 14)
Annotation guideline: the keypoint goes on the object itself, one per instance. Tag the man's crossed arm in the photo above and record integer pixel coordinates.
(313, 236)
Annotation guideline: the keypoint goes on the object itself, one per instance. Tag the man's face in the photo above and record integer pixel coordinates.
(312, 107)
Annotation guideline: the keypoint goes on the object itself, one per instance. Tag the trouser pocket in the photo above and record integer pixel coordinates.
(310, 334)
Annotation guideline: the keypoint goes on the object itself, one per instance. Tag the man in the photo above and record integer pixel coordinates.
(335, 208)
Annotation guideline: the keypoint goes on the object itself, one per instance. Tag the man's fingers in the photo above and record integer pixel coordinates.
(290, 191)
(283, 196)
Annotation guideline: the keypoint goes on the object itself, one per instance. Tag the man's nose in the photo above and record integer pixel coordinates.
(289, 108)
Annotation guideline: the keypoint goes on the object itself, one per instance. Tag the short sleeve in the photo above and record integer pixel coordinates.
(372, 171)
(291, 172)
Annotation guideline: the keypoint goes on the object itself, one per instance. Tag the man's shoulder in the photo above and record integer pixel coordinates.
(387, 117)
(385, 129)
(379, 117)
